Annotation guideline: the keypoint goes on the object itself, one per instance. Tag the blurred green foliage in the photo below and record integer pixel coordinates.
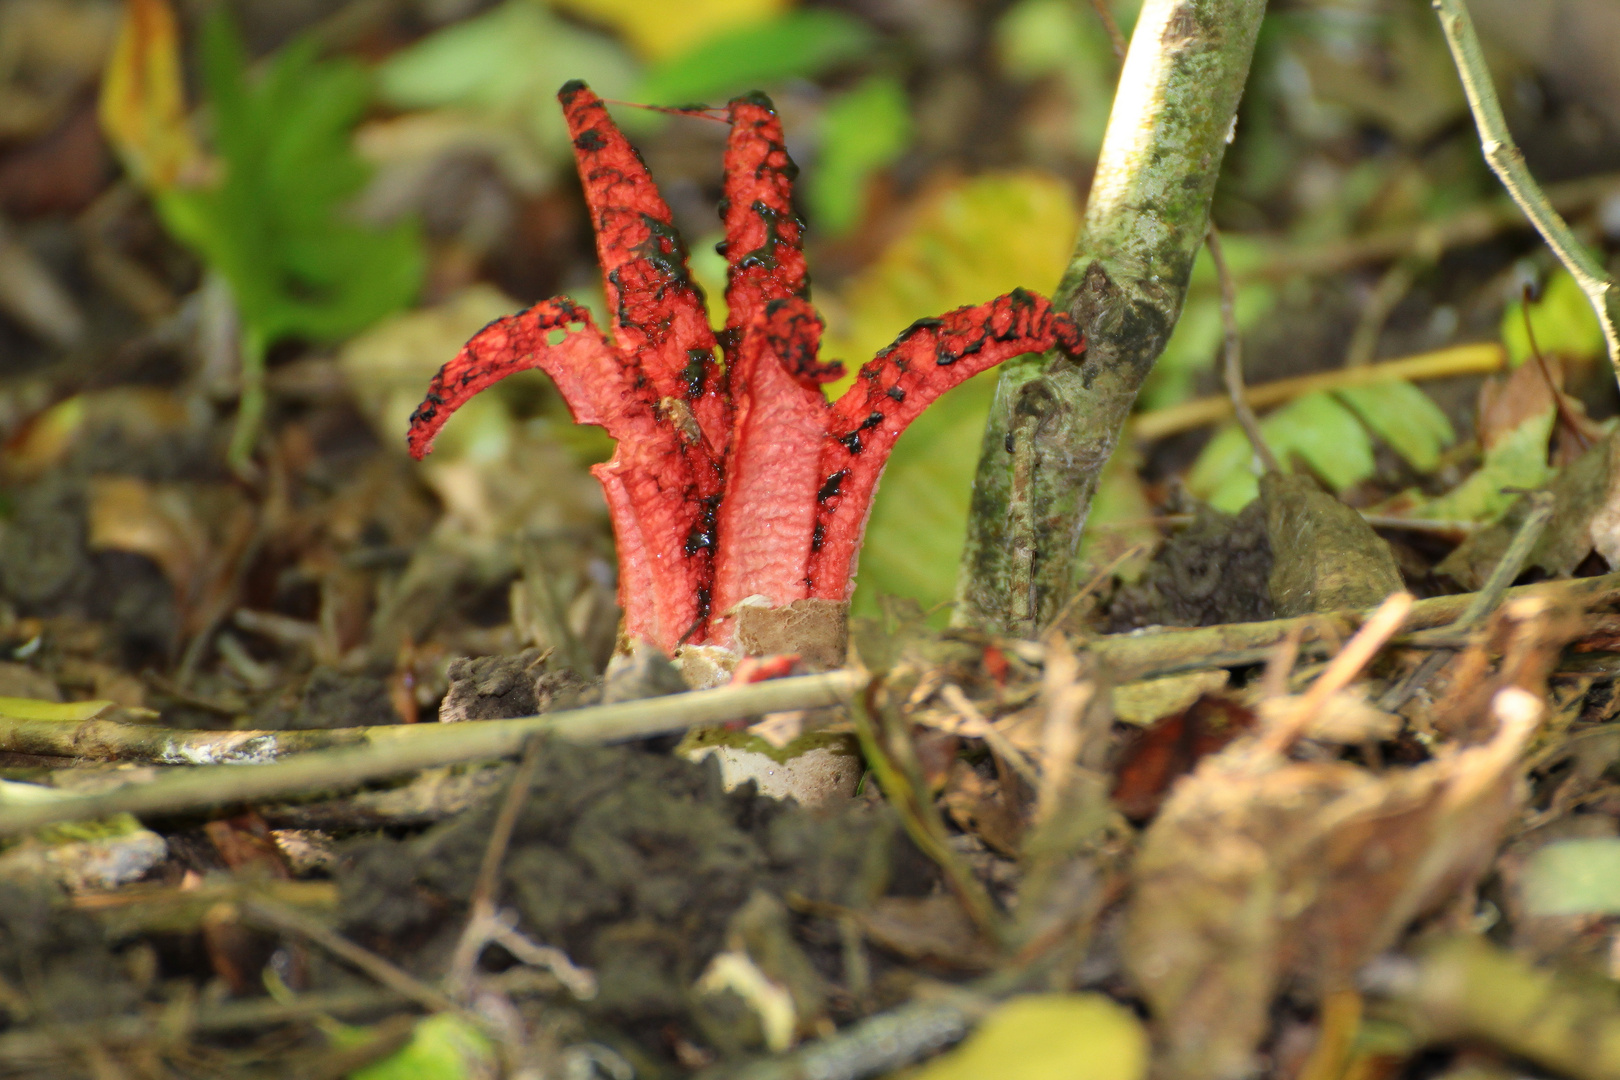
(794, 44)
(507, 63)
(274, 224)
(1562, 320)
(862, 131)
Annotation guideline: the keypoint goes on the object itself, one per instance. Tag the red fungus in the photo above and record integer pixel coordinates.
(731, 484)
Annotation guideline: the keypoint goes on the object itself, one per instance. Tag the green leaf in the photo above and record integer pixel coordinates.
(1574, 877)
(966, 244)
(1518, 460)
(1048, 1037)
(1315, 428)
(1562, 319)
(508, 61)
(794, 44)
(442, 1047)
(1404, 417)
(861, 132)
(919, 519)
(273, 223)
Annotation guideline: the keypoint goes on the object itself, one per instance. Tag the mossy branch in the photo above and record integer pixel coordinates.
(1055, 422)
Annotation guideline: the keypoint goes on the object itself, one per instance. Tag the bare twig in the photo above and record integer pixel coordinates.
(1507, 161)
(397, 749)
(1482, 603)
(1233, 355)
(1426, 240)
(1566, 415)
(1479, 359)
(920, 818)
(1105, 15)
(19, 1045)
(279, 917)
(1355, 655)
(1164, 652)
(1391, 289)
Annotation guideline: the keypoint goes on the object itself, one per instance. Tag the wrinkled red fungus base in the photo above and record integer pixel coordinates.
(740, 483)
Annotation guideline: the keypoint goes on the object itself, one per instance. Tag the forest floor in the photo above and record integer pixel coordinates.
(1235, 813)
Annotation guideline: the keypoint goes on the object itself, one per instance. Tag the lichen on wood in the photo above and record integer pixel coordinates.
(1055, 422)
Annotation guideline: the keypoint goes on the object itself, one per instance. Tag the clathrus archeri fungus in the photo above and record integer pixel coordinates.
(737, 482)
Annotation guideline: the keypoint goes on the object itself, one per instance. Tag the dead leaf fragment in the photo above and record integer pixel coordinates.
(1325, 557)
(1260, 869)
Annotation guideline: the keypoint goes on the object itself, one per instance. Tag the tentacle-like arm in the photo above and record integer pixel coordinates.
(931, 357)
(658, 312)
(657, 479)
(774, 375)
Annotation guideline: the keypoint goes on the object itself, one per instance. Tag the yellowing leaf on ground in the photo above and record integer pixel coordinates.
(658, 30)
(1574, 877)
(143, 104)
(66, 711)
(965, 243)
(1562, 319)
(1518, 460)
(1048, 1037)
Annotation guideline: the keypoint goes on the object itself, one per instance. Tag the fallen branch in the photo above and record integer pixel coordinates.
(51, 1042)
(1483, 358)
(380, 752)
(1164, 652)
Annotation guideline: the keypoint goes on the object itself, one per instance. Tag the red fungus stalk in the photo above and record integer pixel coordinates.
(741, 483)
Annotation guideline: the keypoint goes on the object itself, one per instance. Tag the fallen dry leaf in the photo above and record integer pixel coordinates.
(1259, 869)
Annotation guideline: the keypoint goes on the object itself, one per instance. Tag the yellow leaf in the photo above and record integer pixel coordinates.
(965, 244)
(658, 30)
(21, 708)
(143, 103)
(1048, 1037)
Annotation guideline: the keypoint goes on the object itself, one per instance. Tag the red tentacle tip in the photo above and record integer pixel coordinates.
(809, 465)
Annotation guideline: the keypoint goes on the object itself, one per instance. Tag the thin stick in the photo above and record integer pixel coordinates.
(1234, 355)
(397, 749)
(1427, 240)
(1483, 358)
(919, 817)
(1507, 162)
(1511, 564)
(1386, 296)
(21, 1044)
(481, 907)
(278, 917)
(500, 834)
(1355, 655)
(1110, 24)
(1566, 415)
(1482, 603)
